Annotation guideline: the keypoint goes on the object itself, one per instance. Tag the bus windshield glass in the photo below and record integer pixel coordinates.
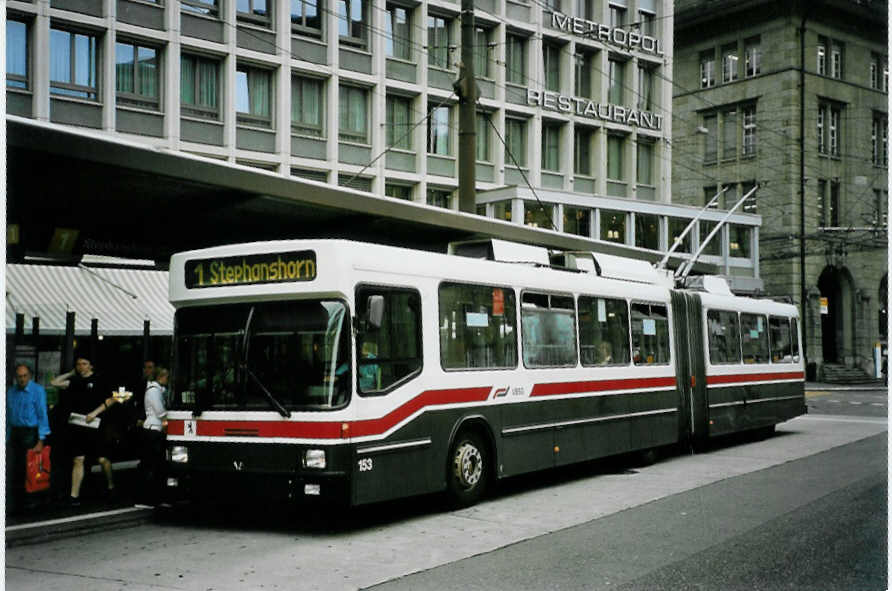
(283, 356)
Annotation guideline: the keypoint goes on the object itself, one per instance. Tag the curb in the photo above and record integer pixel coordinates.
(829, 388)
(54, 529)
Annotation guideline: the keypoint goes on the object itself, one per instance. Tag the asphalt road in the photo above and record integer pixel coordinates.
(750, 532)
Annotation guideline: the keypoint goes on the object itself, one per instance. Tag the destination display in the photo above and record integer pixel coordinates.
(277, 267)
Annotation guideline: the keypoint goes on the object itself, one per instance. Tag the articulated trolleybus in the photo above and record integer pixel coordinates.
(313, 370)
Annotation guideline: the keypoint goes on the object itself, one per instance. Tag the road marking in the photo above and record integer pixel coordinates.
(854, 402)
(877, 404)
(813, 393)
(73, 519)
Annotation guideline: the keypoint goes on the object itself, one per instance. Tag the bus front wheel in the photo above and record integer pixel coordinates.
(468, 470)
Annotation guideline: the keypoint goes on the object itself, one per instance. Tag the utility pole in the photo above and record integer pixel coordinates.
(466, 89)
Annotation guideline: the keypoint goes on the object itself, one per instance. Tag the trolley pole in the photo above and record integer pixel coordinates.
(466, 89)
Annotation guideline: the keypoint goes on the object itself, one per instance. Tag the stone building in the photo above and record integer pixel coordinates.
(792, 97)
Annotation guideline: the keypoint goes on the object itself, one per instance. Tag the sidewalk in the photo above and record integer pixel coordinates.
(814, 386)
(55, 519)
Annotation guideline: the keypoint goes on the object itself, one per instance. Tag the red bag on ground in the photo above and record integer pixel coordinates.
(37, 470)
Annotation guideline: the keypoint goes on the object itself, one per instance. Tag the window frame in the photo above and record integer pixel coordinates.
(730, 63)
(439, 56)
(394, 41)
(362, 40)
(419, 338)
(260, 19)
(628, 331)
(248, 118)
(549, 294)
(18, 81)
(707, 69)
(135, 98)
(550, 160)
(506, 290)
(744, 338)
(195, 110)
(515, 50)
(520, 127)
(207, 8)
(393, 139)
(300, 27)
(68, 89)
(749, 138)
(752, 52)
(434, 128)
(348, 135)
(709, 337)
(643, 302)
(301, 127)
(551, 66)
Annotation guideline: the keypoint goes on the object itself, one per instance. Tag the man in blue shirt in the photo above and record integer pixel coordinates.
(27, 426)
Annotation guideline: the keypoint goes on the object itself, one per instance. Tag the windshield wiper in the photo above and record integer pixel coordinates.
(272, 399)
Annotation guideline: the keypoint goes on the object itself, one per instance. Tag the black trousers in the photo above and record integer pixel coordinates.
(151, 465)
(21, 439)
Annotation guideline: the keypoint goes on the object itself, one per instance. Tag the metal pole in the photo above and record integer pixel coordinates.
(17, 339)
(68, 345)
(94, 339)
(146, 341)
(35, 336)
(803, 301)
(466, 88)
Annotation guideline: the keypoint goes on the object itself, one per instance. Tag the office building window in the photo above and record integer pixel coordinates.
(313, 175)
(730, 63)
(352, 18)
(484, 131)
(752, 51)
(647, 231)
(577, 221)
(833, 205)
(353, 114)
(438, 131)
(399, 122)
(253, 95)
(255, 11)
(880, 140)
(875, 61)
(551, 146)
(739, 241)
(16, 54)
(617, 16)
(616, 82)
(74, 60)
(645, 162)
(438, 42)
(677, 227)
(582, 151)
(306, 16)
(710, 124)
(714, 246)
(551, 56)
(583, 70)
(585, 9)
(828, 129)
(398, 37)
(199, 89)
(708, 194)
(553, 5)
(836, 59)
(647, 22)
(439, 197)
(515, 142)
(881, 209)
(206, 7)
(398, 191)
(482, 40)
(515, 59)
(307, 106)
(538, 215)
(645, 88)
(729, 134)
(613, 226)
(707, 69)
(749, 131)
(821, 58)
(615, 168)
(136, 75)
(821, 203)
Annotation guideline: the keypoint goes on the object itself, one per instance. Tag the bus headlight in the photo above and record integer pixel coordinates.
(314, 458)
(179, 454)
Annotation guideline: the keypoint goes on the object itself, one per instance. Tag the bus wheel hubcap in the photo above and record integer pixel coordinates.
(468, 465)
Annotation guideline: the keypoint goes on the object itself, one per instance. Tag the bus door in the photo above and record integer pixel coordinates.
(691, 367)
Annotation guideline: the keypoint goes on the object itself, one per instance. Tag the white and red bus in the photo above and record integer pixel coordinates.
(312, 370)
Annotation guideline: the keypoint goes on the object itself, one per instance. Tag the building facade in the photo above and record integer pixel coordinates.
(752, 80)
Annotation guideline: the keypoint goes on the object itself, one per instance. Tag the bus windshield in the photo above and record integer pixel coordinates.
(283, 355)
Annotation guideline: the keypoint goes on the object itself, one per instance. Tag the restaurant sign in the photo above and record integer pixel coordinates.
(583, 107)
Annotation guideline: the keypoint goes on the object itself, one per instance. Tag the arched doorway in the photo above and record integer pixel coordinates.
(837, 325)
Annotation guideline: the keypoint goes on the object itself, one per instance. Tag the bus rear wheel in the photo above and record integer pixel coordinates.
(468, 470)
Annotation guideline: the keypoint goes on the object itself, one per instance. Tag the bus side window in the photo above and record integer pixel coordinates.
(754, 338)
(477, 327)
(650, 334)
(388, 353)
(603, 331)
(724, 336)
(549, 330)
(781, 341)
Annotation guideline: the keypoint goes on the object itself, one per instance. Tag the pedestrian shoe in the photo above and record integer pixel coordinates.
(74, 501)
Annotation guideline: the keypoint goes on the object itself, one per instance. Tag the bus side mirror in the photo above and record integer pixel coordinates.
(375, 310)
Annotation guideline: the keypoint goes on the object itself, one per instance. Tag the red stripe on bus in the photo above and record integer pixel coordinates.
(600, 386)
(332, 429)
(754, 377)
